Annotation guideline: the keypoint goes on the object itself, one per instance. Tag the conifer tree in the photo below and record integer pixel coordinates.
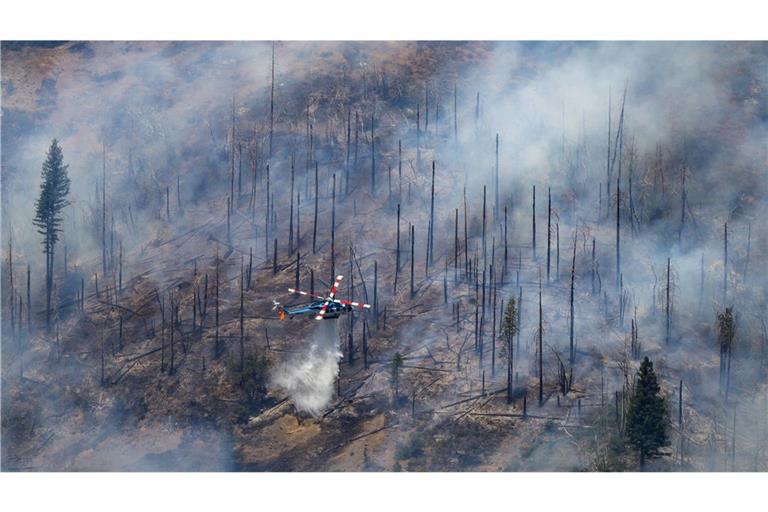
(48, 219)
(508, 332)
(647, 416)
(726, 327)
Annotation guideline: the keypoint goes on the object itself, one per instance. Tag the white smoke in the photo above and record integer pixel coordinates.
(309, 376)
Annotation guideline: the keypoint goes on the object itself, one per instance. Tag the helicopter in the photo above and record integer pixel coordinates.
(324, 308)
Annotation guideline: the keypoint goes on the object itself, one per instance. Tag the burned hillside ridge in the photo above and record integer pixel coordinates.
(407, 167)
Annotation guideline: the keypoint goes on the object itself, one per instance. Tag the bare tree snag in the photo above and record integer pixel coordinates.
(455, 115)
(397, 250)
(242, 313)
(506, 249)
(399, 172)
(217, 347)
(496, 181)
(171, 340)
(593, 267)
(456, 248)
(290, 217)
(346, 162)
(314, 224)
(541, 347)
(445, 283)
(104, 210)
(549, 229)
(533, 221)
(418, 137)
(725, 264)
(557, 251)
(413, 236)
(232, 158)
(430, 246)
(572, 353)
(333, 228)
(29, 301)
(272, 103)
(466, 238)
(373, 153)
(667, 307)
(485, 251)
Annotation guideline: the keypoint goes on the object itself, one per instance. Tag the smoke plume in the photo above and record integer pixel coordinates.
(309, 376)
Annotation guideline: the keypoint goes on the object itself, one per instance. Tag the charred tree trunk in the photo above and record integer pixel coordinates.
(418, 137)
(399, 172)
(120, 269)
(725, 264)
(485, 252)
(466, 239)
(104, 211)
(232, 159)
(493, 323)
(496, 183)
(519, 317)
(593, 269)
(608, 160)
(272, 103)
(314, 224)
(413, 237)
(397, 250)
(572, 353)
(274, 257)
(266, 219)
(541, 348)
(456, 248)
(533, 222)
(346, 163)
(667, 307)
(357, 139)
(455, 115)
(29, 301)
(229, 219)
(298, 224)
(506, 249)
(171, 340)
(618, 232)
(430, 246)
(239, 176)
(333, 229)
(749, 250)
(242, 314)
(217, 347)
(375, 292)
(351, 291)
(549, 229)
(290, 216)
(373, 156)
(557, 251)
(365, 343)
(445, 283)
(11, 301)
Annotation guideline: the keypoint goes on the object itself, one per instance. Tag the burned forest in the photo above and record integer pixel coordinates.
(545, 256)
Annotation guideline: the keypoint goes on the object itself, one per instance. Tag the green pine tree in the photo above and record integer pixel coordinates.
(647, 417)
(48, 219)
(508, 332)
